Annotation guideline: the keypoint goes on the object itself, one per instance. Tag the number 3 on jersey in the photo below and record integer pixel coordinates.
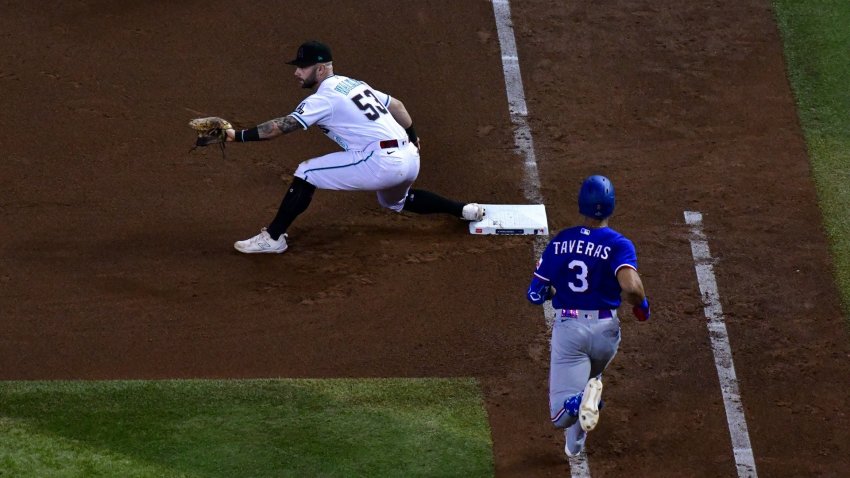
(581, 276)
(374, 109)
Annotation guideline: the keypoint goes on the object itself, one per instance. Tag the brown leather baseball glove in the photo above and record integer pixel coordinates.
(211, 130)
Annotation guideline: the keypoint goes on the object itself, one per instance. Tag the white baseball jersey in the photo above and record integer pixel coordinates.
(350, 112)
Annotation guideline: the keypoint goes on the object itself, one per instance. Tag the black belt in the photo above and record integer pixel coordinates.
(577, 313)
(391, 143)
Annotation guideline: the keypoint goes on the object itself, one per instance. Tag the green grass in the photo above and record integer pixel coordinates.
(239, 428)
(816, 36)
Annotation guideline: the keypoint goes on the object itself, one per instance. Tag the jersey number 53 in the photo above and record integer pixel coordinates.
(373, 108)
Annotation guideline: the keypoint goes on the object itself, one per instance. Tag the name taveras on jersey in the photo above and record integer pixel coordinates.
(581, 247)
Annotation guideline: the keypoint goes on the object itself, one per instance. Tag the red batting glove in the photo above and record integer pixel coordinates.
(641, 310)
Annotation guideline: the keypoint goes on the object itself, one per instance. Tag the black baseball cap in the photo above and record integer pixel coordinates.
(310, 53)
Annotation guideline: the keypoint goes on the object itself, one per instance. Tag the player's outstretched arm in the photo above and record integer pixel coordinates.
(268, 130)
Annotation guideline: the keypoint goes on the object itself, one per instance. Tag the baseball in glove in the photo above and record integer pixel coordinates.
(211, 130)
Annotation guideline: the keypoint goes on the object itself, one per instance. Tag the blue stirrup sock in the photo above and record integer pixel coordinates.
(571, 404)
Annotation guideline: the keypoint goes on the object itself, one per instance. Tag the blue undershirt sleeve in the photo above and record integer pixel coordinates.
(538, 291)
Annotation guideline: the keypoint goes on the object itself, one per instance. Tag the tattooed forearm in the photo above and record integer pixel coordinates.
(277, 127)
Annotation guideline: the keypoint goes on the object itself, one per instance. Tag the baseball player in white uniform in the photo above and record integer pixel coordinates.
(380, 149)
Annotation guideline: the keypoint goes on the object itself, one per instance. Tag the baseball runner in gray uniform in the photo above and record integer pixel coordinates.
(380, 149)
(586, 271)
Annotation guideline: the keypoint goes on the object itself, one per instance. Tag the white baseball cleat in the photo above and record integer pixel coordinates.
(588, 411)
(473, 212)
(575, 437)
(262, 243)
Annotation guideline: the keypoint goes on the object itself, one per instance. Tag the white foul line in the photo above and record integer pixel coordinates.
(743, 451)
(516, 102)
(579, 467)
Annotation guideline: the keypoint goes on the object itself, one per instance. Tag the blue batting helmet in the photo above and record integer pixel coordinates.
(596, 197)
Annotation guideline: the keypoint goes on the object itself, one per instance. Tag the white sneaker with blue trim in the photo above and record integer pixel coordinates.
(262, 243)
